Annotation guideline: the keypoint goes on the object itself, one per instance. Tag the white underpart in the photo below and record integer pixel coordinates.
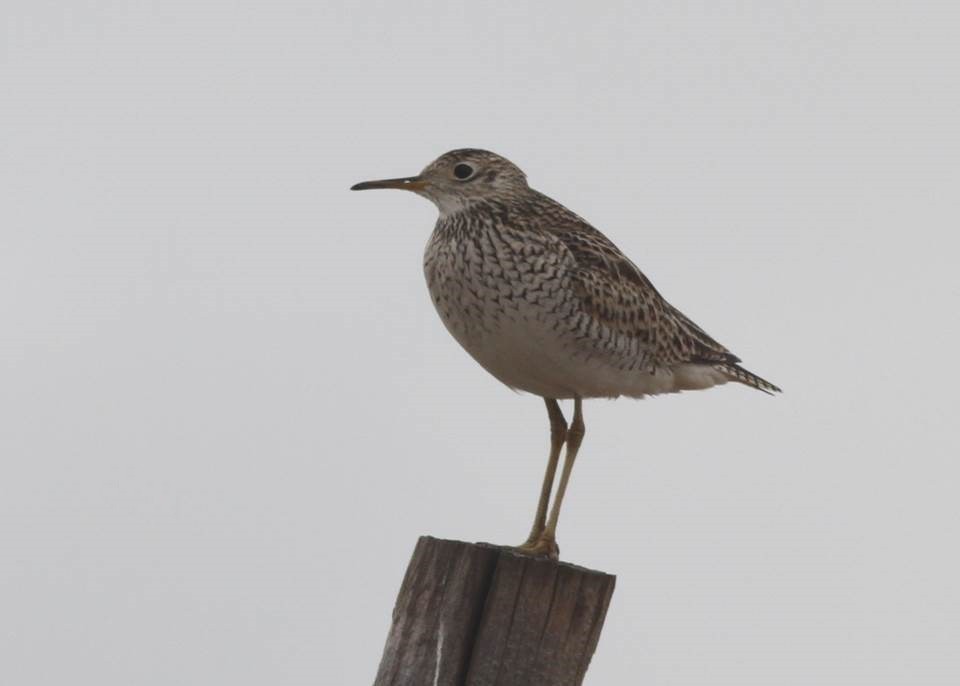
(528, 356)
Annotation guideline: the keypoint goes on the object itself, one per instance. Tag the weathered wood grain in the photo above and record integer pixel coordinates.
(481, 615)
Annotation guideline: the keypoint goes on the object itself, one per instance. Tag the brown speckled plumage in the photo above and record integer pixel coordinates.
(548, 304)
(519, 246)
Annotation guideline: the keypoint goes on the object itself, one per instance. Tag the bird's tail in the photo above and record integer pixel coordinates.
(738, 373)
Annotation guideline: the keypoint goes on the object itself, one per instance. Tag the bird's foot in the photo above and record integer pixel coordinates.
(540, 547)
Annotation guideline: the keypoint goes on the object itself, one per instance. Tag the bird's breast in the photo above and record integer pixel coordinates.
(504, 301)
(486, 282)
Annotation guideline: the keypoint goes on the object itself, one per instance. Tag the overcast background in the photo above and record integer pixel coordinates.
(228, 408)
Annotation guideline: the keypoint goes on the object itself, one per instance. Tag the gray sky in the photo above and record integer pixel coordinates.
(229, 408)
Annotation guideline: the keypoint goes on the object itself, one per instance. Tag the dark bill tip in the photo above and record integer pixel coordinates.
(409, 183)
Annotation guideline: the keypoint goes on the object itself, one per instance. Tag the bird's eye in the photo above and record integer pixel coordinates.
(463, 171)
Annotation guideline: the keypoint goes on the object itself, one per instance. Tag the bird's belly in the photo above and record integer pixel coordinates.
(518, 353)
(528, 351)
(525, 360)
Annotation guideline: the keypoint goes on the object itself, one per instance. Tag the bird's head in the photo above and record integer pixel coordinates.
(460, 178)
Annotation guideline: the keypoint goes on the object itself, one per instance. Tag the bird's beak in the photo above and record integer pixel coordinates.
(409, 183)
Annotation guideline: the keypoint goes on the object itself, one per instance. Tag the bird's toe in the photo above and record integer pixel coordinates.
(541, 547)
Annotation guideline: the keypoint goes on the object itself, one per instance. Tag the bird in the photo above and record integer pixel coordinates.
(547, 304)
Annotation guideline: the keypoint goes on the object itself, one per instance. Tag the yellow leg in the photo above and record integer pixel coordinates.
(547, 542)
(558, 434)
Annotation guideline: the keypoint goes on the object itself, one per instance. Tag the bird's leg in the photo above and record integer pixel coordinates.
(547, 545)
(558, 434)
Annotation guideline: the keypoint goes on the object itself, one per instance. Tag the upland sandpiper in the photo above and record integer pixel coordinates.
(549, 305)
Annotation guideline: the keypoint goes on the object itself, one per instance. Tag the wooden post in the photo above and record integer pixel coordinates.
(482, 615)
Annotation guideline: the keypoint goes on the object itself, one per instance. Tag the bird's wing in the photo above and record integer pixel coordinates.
(618, 296)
